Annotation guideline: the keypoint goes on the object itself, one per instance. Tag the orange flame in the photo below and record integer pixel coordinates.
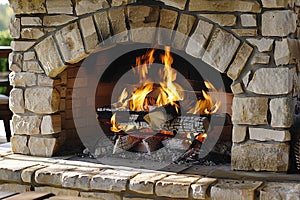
(114, 126)
(201, 137)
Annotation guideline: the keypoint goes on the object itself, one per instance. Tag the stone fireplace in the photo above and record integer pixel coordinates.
(254, 43)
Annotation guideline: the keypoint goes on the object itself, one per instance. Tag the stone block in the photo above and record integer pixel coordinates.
(89, 33)
(237, 88)
(31, 21)
(15, 61)
(262, 134)
(57, 20)
(247, 156)
(144, 183)
(22, 79)
(57, 191)
(234, 190)
(262, 44)
(142, 22)
(78, 179)
(21, 45)
(276, 4)
(16, 100)
(201, 187)
(277, 190)
(282, 110)
(246, 32)
(239, 61)
(167, 24)
(175, 186)
(286, 51)
(101, 195)
(28, 173)
(15, 28)
(180, 4)
(59, 7)
(260, 58)
(184, 27)
(13, 187)
(239, 134)
(51, 124)
(51, 61)
(221, 19)
(87, 6)
(118, 24)
(19, 144)
(70, 43)
(268, 77)
(27, 7)
(102, 25)
(32, 66)
(10, 170)
(112, 180)
(26, 125)
(278, 23)
(29, 55)
(225, 6)
(221, 50)
(42, 100)
(44, 80)
(121, 2)
(198, 40)
(32, 33)
(250, 110)
(248, 20)
(42, 146)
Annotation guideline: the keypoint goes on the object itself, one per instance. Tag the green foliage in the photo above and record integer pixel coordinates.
(5, 14)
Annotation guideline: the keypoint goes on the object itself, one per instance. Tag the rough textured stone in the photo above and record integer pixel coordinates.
(89, 34)
(57, 191)
(19, 144)
(27, 125)
(15, 61)
(248, 156)
(278, 23)
(44, 80)
(239, 61)
(222, 19)
(199, 189)
(87, 6)
(175, 186)
(287, 51)
(239, 134)
(167, 23)
(268, 77)
(118, 25)
(21, 45)
(233, 189)
(100, 195)
(40, 146)
(16, 100)
(57, 6)
(180, 4)
(112, 180)
(246, 32)
(198, 39)
(185, 25)
(282, 110)
(27, 174)
(237, 88)
(263, 44)
(121, 2)
(102, 25)
(32, 33)
(70, 43)
(248, 20)
(276, 4)
(22, 79)
(221, 50)
(260, 58)
(276, 190)
(51, 61)
(12, 187)
(250, 110)
(31, 21)
(139, 18)
(27, 7)
(262, 134)
(42, 100)
(15, 28)
(32, 67)
(29, 55)
(144, 183)
(51, 124)
(57, 20)
(225, 6)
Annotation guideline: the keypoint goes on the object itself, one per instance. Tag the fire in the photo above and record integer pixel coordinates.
(201, 137)
(114, 127)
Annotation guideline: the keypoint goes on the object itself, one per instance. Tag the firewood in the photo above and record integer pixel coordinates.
(124, 143)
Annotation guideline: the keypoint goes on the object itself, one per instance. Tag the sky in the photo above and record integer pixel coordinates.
(3, 1)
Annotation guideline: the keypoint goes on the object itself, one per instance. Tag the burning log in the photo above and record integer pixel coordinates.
(124, 143)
